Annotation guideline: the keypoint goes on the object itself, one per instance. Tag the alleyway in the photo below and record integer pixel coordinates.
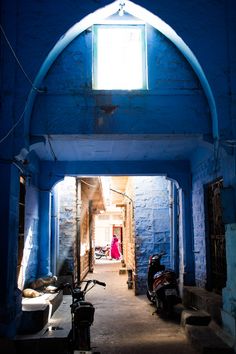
(125, 323)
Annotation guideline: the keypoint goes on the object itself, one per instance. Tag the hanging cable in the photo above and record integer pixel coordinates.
(14, 126)
(51, 149)
(124, 194)
(88, 184)
(18, 62)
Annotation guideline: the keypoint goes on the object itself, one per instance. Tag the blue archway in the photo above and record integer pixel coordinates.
(143, 14)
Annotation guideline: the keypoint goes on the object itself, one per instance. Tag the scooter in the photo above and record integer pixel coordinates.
(162, 286)
(102, 252)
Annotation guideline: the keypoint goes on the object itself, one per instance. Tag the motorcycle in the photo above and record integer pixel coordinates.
(162, 286)
(102, 251)
(82, 317)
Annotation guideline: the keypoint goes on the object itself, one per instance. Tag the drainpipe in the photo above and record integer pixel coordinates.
(90, 237)
(171, 213)
(77, 236)
(126, 196)
(54, 233)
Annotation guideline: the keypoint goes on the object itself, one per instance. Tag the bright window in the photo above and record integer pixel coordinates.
(119, 57)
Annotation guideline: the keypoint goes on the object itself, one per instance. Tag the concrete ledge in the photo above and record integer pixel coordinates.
(202, 299)
(37, 311)
(53, 338)
(206, 341)
(197, 318)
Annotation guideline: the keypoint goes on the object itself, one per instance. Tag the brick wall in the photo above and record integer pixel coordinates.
(84, 233)
(128, 234)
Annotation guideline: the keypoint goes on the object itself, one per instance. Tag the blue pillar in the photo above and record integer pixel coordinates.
(44, 234)
(175, 225)
(229, 292)
(187, 269)
(10, 296)
(54, 231)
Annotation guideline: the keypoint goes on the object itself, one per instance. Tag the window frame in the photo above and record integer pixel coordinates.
(143, 31)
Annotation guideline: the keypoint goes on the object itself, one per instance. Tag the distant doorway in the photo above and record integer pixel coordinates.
(117, 230)
(216, 238)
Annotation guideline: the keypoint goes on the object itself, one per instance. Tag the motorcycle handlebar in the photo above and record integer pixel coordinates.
(162, 253)
(72, 288)
(100, 283)
(159, 255)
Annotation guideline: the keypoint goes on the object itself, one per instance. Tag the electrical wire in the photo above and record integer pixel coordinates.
(88, 184)
(18, 61)
(27, 77)
(124, 194)
(14, 126)
(51, 149)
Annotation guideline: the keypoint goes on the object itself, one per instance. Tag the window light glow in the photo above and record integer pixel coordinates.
(119, 57)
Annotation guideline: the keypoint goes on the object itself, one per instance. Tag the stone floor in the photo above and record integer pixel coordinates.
(125, 323)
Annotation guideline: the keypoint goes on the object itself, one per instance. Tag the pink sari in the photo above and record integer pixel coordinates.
(115, 252)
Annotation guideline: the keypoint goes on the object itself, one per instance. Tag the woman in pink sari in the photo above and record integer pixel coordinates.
(115, 248)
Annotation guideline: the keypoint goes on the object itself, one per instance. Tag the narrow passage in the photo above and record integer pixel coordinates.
(125, 323)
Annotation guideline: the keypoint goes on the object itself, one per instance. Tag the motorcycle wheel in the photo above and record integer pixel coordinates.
(150, 298)
(84, 338)
(164, 306)
(98, 257)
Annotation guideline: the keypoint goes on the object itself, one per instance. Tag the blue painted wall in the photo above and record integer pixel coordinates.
(174, 101)
(175, 104)
(50, 22)
(30, 256)
(151, 223)
(205, 171)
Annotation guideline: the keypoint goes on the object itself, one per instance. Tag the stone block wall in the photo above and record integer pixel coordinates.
(67, 225)
(203, 173)
(75, 226)
(152, 224)
(30, 255)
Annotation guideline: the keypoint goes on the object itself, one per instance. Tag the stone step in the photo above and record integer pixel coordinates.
(193, 317)
(204, 339)
(122, 271)
(203, 300)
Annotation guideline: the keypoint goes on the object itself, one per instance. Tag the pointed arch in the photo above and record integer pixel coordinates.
(148, 17)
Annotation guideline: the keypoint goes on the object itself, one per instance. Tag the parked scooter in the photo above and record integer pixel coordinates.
(102, 251)
(162, 286)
